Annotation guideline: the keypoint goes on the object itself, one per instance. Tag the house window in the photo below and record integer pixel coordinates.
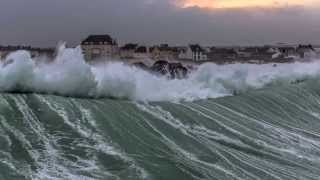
(96, 51)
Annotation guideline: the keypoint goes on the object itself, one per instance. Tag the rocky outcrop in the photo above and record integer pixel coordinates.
(160, 67)
(164, 68)
(141, 65)
(172, 70)
(177, 70)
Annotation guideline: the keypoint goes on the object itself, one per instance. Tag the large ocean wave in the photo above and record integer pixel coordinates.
(69, 75)
(269, 133)
(272, 133)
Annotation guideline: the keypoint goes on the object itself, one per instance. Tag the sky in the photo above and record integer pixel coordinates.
(214, 4)
(44, 23)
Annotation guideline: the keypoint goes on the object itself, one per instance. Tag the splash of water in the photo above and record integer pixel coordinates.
(69, 75)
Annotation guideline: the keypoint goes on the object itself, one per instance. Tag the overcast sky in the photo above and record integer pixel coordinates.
(209, 22)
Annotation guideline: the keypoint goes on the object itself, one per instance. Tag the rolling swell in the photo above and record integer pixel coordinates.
(273, 133)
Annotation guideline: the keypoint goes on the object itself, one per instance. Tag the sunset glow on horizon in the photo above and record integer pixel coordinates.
(216, 4)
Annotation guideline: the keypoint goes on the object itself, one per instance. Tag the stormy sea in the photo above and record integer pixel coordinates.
(72, 121)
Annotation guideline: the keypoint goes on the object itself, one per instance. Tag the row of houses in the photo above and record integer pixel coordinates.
(34, 52)
(100, 46)
(96, 46)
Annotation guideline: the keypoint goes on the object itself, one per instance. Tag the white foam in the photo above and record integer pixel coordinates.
(68, 74)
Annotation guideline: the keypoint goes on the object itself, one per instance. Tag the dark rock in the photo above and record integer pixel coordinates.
(172, 70)
(160, 67)
(141, 65)
(164, 68)
(177, 70)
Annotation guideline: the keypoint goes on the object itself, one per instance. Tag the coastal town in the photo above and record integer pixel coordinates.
(97, 48)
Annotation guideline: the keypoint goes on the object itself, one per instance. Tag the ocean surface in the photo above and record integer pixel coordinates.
(67, 120)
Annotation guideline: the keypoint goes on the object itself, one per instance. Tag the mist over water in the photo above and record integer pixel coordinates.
(69, 75)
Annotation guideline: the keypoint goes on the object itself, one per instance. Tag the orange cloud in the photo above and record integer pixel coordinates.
(244, 3)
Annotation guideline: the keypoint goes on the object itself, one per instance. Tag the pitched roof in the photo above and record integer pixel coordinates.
(196, 48)
(286, 48)
(305, 47)
(164, 48)
(141, 49)
(97, 39)
(222, 50)
(256, 50)
(151, 49)
(129, 46)
(27, 48)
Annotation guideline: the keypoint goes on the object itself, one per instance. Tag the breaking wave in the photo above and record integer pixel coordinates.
(273, 133)
(69, 75)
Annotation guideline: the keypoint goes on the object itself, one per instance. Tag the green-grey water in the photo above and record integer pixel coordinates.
(272, 133)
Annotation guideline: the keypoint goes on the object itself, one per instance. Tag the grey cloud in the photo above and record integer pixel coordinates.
(44, 22)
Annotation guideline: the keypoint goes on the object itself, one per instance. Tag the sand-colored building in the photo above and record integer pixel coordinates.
(99, 46)
(127, 51)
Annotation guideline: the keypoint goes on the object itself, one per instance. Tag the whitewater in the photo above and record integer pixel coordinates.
(64, 119)
(69, 75)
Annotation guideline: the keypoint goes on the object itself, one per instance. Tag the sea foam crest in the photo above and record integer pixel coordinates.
(69, 75)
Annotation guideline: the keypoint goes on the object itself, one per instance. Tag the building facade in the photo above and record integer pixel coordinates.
(164, 52)
(34, 52)
(99, 46)
(306, 51)
(141, 52)
(128, 50)
(193, 52)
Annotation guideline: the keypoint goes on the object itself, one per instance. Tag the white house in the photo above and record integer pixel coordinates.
(306, 52)
(193, 52)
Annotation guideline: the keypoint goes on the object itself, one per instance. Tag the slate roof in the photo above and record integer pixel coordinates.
(141, 49)
(222, 51)
(27, 48)
(129, 47)
(196, 48)
(97, 39)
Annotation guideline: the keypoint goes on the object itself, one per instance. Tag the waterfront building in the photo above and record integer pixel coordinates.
(34, 52)
(306, 51)
(222, 55)
(99, 46)
(194, 52)
(164, 52)
(128, 50)
(141, 52)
